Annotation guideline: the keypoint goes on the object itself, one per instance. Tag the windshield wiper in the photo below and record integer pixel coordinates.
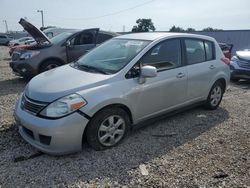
(95, 69)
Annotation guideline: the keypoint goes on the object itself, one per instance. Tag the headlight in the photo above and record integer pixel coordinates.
(28, 55)
(63, 106)
(234, 58)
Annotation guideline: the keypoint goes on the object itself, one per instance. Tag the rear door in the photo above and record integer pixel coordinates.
(81, 43)
(201, 67)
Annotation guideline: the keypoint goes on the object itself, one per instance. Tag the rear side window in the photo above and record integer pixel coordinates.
(166, 55)
(209, 50)
(3, 37)
(195, 51)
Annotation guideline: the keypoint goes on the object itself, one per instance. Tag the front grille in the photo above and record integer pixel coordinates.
(244, 64)
(32, 106)
(15, 56)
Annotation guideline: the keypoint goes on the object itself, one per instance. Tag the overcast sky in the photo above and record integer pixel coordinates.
(114, 14)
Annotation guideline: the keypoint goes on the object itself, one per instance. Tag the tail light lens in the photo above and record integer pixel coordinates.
(225, 60)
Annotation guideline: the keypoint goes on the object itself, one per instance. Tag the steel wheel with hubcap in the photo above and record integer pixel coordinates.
(107, 128)
(215, 96)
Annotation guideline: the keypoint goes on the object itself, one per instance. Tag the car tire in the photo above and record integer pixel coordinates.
(215, 96)
(107, 128)
(48, 65)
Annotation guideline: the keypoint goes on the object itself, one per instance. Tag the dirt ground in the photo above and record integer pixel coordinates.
(196, 148)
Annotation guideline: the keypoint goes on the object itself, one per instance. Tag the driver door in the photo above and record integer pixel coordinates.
(169, 88)
(81, 43)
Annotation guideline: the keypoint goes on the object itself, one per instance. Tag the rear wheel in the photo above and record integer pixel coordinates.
(215, 96)
(48, 65)
(107, 128)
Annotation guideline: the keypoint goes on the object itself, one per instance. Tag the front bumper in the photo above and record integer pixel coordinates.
(237, 71)
(56, 137)
(18, 69)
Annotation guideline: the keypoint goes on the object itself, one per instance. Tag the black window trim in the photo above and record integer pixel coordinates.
(203, 41)
(163, 69)
(184, 61)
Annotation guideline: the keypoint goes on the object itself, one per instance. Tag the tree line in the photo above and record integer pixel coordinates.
(146, 25)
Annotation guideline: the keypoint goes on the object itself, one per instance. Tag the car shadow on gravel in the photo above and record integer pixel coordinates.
(155, 139)
(241, 84)
(12, 86)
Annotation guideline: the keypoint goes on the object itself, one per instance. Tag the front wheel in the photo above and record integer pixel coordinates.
(107, 128)
(48, 65)
(215, 96)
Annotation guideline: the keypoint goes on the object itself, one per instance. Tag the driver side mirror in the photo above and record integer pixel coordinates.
(69, 44)
(147, 72)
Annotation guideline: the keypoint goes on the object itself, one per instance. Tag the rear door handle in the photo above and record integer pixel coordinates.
(180, 75)
(212, 67)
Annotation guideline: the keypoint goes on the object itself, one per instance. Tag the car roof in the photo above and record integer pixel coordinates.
(159, 35)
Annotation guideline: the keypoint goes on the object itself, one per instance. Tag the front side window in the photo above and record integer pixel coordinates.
(111, 56)
(102, 37)
(83, 38)
(195, 51)
(166, 55)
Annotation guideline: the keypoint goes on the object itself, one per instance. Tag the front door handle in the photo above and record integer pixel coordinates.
(212, 67)
(180, 75)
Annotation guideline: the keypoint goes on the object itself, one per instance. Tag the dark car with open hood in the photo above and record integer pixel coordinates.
(47, 53)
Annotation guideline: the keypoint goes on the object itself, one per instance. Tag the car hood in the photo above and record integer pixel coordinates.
(38, 35)
(243, 54)
(62, 81)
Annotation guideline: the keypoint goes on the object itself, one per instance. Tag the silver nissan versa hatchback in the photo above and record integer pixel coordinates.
(122, 82)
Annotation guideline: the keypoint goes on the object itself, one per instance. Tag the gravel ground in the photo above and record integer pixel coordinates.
(196, 148)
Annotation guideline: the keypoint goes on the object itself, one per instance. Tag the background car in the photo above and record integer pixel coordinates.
(20, 41)
(240, 65)
(48, 53)
(5, 39)
(226, 49)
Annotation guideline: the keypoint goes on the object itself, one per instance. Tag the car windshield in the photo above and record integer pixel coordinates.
(60, 37)
(111, 56)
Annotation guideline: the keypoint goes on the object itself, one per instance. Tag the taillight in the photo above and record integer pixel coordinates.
(225, 60)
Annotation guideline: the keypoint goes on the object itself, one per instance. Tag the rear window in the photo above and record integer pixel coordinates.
(209, 50)
(195, 51)
(198, 51)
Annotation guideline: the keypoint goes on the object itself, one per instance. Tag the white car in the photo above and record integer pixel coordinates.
(20, 41)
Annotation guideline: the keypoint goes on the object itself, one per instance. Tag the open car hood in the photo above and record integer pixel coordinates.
(38, 35)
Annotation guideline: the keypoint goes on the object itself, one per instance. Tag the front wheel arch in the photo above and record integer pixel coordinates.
(61, 62)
